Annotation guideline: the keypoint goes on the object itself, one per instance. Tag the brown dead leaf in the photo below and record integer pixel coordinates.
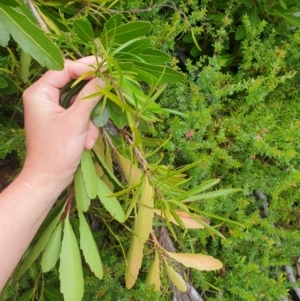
(134, 260)
(131, 172)
(185, 217)
(197, 261)
(189, 134)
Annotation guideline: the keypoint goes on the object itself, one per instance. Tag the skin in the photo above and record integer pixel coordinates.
(55, 140)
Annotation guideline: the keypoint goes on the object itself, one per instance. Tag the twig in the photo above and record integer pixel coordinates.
(259, 195)
(40, 21)
(191, 294)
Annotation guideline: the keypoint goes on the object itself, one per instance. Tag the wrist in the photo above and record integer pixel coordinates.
(43, 183)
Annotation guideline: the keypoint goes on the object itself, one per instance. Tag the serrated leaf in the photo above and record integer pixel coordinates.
(4, 36)
(186, 218)
(39, 246)
(99, 151)
(25, 64)
(70, 269)
(83, 201)
(83, 30)
(144, 219)
(129, 31)
(197, 261)
(52, 250)
(153, 276)
(89, 247)
(31, 38)
(176, 279)
(111, 204)
(89, 174)
(130, 171)
(134, 260)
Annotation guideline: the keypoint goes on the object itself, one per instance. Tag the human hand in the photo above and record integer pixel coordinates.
(56, 137)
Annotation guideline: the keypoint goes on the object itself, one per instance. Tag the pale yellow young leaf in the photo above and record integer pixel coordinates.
(144, 219)
(175, 278)
(108, 159)
(153, 274)
(99, 147)
(108, 182)
(186, 218)
(134, 260)
(197, 261)
(99, 170)
(131, 172)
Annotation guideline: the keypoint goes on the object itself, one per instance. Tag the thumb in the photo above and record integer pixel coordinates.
(83, 107)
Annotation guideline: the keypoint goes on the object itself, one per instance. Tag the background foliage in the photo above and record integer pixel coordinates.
(240, 94)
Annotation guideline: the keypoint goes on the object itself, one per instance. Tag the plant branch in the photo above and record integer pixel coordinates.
(40, 21)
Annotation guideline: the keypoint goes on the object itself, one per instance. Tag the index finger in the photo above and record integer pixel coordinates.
(72, 70)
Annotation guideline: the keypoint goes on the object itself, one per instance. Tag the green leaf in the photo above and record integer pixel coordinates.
(52, 293)
(89, 247)
(27, 296)
(240, 33)
(52, 250)
(11, 87)
(253, 15)
(204, 186)
(106, 167)
(113, 22)
(3, 83)
(111, 204)
(83, 201)
(70, 269)
(153, 56)
(4, 36)
(151, 73)
(210, 195)
(282, 4)
(136, 47)
(83, 30)
(102, 119)
(31, 38)
(113, 98)
(89, 174)
(12, 3)
(117, 115)
(39, 246)
(25, 64)
(287, 17)
(129, 31)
